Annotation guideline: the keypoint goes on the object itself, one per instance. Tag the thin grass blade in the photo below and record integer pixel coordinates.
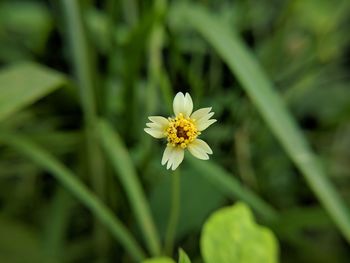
(126, 173)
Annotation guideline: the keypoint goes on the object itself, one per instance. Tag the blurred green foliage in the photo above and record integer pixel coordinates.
(81, 182)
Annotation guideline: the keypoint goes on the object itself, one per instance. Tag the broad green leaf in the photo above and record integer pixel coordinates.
(231, 235)
(23, 84)
(159, 260)
(269, 104)
(183, 258)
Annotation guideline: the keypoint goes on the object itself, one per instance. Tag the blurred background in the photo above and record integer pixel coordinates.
(79, 78)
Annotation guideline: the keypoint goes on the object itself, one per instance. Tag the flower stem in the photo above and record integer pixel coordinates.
(174, 213)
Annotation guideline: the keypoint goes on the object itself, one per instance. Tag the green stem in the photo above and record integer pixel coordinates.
(74, 186)
(174, 213)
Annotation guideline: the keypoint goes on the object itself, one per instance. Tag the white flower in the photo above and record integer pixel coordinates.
(182, 131)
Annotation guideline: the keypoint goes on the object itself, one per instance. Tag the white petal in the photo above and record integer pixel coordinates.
(203, 145)
(173, 156)
(166, 154)
(159, 120)
(205, 124)
(188, 107)
(155, 133)
(206, 117)
(177, 157)
(183, 104)
(170, 160)
(154, 125)
(197, 152)
(198, 114)
(200, 149)
(202, 121)
(157, 127)
(179, 103)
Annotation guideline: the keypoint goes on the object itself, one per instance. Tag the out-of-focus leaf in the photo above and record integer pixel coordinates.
(159, 260)
(18, 243)
(231, 235)
(23, 84)
(24, 28)
(321, 19)
(183, 258)
(56, 225)
(97, 24)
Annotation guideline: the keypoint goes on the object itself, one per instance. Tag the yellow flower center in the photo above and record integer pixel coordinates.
(181, 131)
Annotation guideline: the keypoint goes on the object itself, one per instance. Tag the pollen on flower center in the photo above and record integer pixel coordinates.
(181, 131)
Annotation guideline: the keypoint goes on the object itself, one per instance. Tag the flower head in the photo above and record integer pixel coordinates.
(182, 131)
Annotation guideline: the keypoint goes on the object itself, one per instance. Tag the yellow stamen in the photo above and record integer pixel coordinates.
(181, 131)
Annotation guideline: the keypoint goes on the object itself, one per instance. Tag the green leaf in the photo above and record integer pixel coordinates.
(183, 258)
(23, 84)
(159, 260)
(231, 235)
(269, 104)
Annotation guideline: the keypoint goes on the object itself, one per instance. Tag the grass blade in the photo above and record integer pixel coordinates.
(75, 187)
(125, 170)
(269, 104)
(84, 71)
(81, 56)
(56, 225)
